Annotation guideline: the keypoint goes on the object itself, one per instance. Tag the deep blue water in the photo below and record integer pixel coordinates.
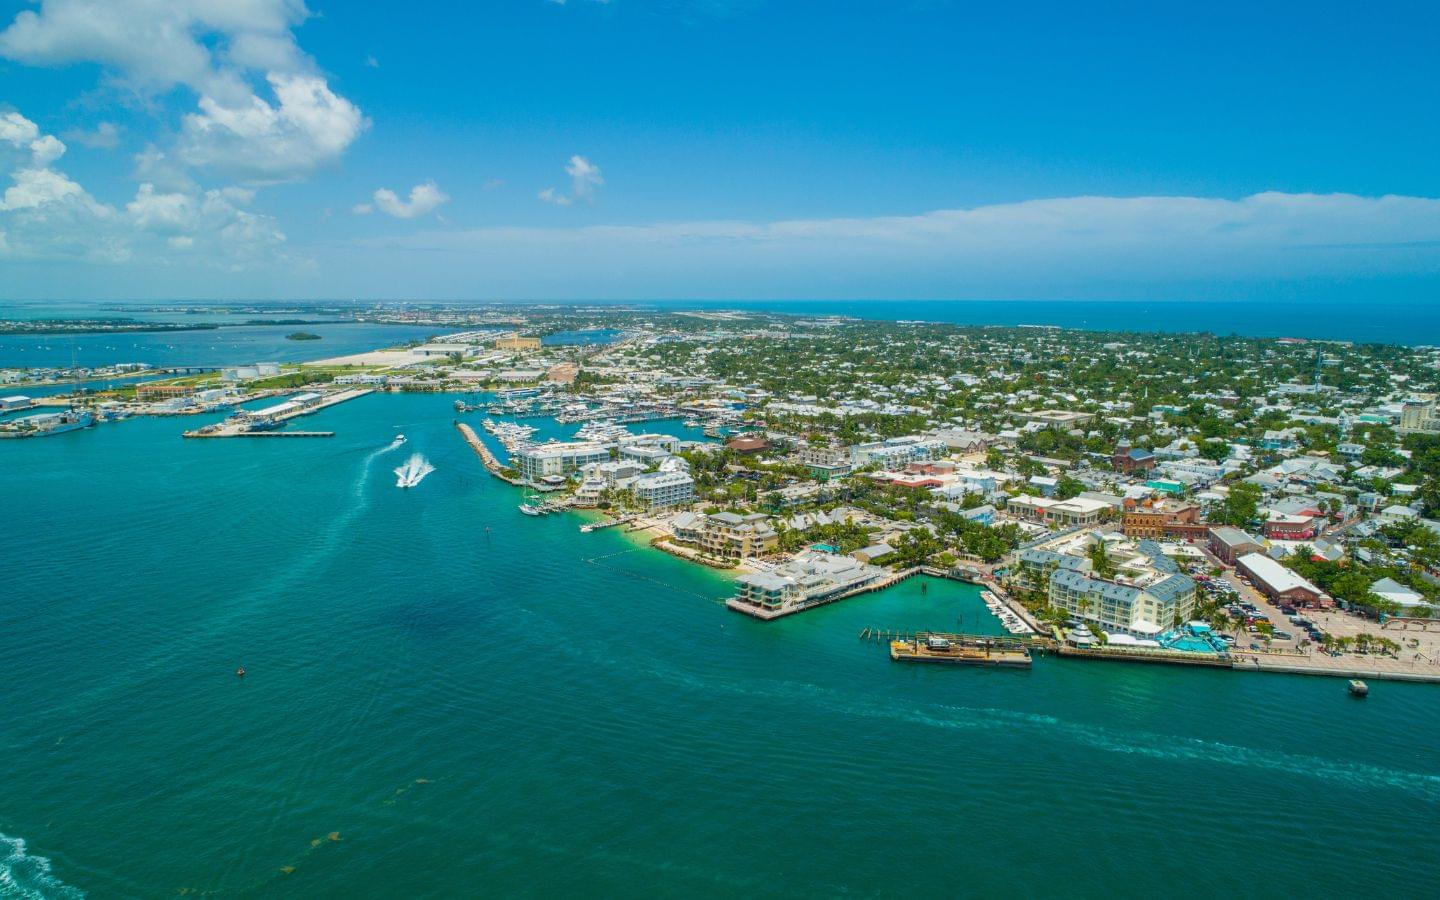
(1388, 323)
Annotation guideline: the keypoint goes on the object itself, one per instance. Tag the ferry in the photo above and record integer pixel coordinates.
(47, 424)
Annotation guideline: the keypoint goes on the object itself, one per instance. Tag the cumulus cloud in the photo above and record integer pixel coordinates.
(585, 177)
(1069, 247)
(216, 48)
(424, 199)
(307, 125)
(44, 214)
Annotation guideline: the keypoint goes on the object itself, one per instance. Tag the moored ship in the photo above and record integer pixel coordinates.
(47, 424)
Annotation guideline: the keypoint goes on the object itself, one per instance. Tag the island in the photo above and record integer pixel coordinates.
(302, 336)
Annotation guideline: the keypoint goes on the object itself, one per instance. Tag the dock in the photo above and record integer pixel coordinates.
(242, 425)
(961, 650)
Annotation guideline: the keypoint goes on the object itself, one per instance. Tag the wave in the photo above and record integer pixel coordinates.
(23, 875)
(413, 472)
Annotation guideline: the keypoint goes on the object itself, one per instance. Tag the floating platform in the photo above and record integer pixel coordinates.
(962, 650)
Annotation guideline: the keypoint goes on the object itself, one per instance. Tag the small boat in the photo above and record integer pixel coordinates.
(1359, 688)
(531, 510)
(240, 672)
(399, 438)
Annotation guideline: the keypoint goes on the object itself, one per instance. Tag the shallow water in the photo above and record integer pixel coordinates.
(445, 697)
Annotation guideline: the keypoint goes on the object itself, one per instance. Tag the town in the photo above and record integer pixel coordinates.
(1166, 497)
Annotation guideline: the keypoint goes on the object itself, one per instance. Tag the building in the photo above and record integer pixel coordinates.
(162, 391)
(1229, 544)
(518, 343)
(1060, 417)
(1143, 596)
(1281, 527)
(1129, 459)
(747, 443)
(898, 452)
(733, 536)
(809, 578)
(1062, 513)
(10, 404)
(1164, 519)
(658, 490)
(557, 458)
(826, 463)
(1279, 583)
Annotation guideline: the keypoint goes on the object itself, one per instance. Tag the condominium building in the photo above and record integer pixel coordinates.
(657, 490)
(1143, 593)
(557, 458)
(896, 453)
(730, 534)
(809, 578)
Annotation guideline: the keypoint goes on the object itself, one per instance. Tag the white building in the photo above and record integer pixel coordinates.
(557, 458)
(657, 490)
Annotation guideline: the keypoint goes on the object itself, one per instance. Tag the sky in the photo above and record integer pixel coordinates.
(719, 149)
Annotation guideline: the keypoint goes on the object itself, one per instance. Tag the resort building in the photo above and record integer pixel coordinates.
(557, 458)
(732, 535)
(657, 490)
(826, 462)
(809, 578)
(1143, 594)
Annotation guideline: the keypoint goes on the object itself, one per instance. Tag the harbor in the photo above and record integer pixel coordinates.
(253, 423)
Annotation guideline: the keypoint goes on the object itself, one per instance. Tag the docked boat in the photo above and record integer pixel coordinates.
(964, 650)
(47, 424)
(1359, 688)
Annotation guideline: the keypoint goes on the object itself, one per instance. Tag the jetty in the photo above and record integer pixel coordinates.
(487, 459)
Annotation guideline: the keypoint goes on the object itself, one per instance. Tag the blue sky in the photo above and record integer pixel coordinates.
(709, 149)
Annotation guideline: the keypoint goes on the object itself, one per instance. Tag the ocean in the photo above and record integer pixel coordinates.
(445, 697)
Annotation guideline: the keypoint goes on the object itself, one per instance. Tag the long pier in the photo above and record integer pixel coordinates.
(487, 459)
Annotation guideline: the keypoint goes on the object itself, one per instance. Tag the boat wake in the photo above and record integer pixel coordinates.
(413, 472)
(23, 875)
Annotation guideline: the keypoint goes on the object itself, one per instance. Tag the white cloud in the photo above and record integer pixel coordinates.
(104, 136)
(362, 209)
(549, 195)
(424, 198)
(585, 177)
(1067, 247)
(16, 130)
(46, 150)
(307, 126)
(215, 48)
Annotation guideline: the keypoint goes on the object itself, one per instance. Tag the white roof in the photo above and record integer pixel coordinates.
(1279, 578)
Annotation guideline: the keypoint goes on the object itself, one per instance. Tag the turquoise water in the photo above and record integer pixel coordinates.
(477, 702)
(216, 347)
